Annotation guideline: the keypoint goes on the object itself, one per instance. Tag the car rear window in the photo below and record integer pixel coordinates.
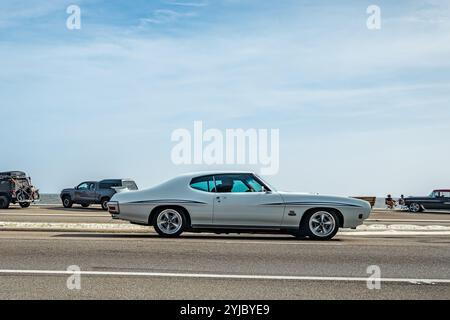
(109, 184)
(203, 183)
(131, 185)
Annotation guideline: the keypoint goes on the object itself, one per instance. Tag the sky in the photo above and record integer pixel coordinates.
(359, 111)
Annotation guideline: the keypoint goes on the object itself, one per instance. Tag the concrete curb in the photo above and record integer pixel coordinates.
(130, 228)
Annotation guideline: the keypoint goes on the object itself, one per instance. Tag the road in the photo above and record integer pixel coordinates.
(33, 265)
(94, 214)
(142, 266)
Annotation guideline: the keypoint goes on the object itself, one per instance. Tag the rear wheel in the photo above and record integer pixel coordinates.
(24, 204)
(4, 202)
(104, 203)
(67, 202)
(415, 207)
(170, 222)
(320, 225)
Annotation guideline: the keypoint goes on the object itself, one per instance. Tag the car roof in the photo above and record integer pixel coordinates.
(442, 190)
(13, 174)
(207, 173)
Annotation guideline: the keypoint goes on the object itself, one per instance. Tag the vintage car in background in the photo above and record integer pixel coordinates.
(93, 192)
(236, 202)
(16, 187)
(437, 200)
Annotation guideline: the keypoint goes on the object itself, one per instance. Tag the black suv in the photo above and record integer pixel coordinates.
(93, 192)
(16, 187)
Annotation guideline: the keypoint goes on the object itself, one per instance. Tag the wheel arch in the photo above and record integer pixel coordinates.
(336, 211)
(5, 194)
(156, 209)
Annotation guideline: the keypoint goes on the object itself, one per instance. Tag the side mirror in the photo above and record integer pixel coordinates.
(263, 189)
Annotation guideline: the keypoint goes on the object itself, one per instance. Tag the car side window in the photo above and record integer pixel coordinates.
(203, 184)
(83, 186)
(234, 183)
(240, 186)
(257, 187)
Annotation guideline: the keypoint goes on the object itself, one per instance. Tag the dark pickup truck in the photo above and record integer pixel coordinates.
(93, 192)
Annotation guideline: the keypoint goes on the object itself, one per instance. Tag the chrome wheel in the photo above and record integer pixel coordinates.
(322, 224)
(169, 221)
(414, 207)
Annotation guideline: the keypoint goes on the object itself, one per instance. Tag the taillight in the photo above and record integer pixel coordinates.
(113, 207)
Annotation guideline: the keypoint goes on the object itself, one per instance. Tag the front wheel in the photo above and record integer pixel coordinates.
(4, 202)
(24, 204)
(415, 207)
(67, 202)
(170, 222)
(320, 225)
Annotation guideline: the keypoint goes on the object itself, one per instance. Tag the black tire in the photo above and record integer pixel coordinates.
(67, 202)
(306, 229)
(104, 203)
(85, 205)
(177, 230)
(4, 202)
(415, 207)
(24, 204)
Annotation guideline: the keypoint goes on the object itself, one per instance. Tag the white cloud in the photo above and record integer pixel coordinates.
(161, 16)
(341, 102)
(199, 3)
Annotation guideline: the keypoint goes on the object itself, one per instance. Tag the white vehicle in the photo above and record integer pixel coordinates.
(236, 202)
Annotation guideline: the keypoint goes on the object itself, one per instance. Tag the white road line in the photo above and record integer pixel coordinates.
(408, 220)
(219, 276)
(56, 215)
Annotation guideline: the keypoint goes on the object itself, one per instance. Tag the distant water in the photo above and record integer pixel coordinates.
(51, 198)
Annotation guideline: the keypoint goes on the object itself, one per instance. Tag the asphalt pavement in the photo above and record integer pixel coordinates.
(34, 264)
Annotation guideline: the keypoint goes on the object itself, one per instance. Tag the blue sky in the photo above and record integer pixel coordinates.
(360, 112)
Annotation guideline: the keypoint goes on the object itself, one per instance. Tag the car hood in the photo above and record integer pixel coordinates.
(417, 198)
(316, 199)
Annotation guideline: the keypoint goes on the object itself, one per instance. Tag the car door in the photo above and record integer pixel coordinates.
(91, 193)
(445, 200)
(85, 192)
(435, 201)
(241, 200)
(81, 192)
